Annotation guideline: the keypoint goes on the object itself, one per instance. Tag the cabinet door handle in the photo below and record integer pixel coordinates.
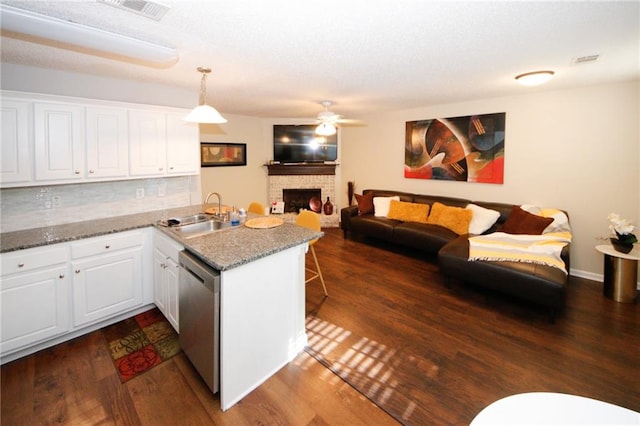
(91, 171)
(160, 169)
(61, 276)
(77, 271)
(77, 172)
(107, 246)
(171, 168)
(20, 265)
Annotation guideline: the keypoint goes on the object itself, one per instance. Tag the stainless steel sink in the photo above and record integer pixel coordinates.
(195, 218)
(197, 229)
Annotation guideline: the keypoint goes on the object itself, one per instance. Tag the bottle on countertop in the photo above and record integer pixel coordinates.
(235, 217)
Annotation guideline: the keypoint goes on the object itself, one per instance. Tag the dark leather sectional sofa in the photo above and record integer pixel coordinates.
(541, 284)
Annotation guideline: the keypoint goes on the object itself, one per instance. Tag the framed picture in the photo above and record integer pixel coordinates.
(467, 149)
(213, 154)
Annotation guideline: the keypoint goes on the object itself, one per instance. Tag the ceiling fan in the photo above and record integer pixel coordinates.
(327, 120)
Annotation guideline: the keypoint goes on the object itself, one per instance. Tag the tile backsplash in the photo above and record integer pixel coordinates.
(34, 207)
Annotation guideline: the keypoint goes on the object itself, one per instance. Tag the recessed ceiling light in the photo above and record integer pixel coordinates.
(534, 78)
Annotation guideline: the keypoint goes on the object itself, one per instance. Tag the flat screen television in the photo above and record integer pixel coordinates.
(299, 144)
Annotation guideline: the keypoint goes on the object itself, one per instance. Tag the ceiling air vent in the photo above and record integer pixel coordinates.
(150, 9)
(585, 59)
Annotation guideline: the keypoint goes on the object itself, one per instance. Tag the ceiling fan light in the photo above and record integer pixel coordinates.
(534, 78)
(205, 114)
(326, 129)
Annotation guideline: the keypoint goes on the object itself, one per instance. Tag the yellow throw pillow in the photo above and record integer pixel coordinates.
(408, 212)
(456, 219)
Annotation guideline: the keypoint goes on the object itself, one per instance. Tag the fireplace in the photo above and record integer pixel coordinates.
(296, 199)
(305, 179)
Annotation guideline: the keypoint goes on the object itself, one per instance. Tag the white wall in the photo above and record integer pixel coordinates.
(576, 149)
(238, 185)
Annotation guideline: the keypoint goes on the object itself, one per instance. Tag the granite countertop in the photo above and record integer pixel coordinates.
(225, 249)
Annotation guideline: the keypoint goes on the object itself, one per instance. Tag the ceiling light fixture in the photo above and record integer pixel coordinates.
(204, 113)
(31, 24)
(534, 78)
(326, 129)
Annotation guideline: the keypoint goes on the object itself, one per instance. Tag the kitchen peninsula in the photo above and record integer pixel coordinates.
(262, 289)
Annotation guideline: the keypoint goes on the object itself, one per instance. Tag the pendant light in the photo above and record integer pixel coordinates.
(204, 113)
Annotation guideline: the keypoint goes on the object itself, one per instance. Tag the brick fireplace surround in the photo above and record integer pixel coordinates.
(305, 177)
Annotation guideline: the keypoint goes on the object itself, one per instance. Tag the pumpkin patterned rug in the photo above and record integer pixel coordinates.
(140, 343)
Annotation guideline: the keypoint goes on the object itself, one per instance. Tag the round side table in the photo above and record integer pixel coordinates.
(620, 273)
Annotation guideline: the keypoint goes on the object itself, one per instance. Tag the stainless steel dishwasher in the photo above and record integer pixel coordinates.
(200, 317)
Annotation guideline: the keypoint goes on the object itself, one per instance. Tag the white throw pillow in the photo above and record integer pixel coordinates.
(482, 219)
(381, 205)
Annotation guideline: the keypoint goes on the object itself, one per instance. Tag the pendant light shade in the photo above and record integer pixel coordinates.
(204, 113)
(326, 129)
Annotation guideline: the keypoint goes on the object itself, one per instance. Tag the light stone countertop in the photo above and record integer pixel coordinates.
(222, 250)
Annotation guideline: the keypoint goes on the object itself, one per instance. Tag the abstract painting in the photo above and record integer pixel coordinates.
(469, 149)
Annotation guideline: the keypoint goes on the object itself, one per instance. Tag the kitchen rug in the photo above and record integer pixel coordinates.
(388, 377)
(140, 343)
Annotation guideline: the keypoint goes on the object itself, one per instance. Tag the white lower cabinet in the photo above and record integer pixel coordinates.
(107, 276)
(34, 295)
(54, 293)
(165, 277)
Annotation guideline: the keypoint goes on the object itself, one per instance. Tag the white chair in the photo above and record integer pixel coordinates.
(311, 220)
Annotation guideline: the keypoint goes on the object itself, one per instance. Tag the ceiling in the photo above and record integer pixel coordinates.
(279, 58)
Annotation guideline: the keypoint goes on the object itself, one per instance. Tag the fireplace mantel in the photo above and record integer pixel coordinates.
(301, 169)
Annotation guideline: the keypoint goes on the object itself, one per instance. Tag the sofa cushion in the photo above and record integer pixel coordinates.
(381, 205)
(377, 227)
(365, 203)
(408, 212)
(560, 219)
(422, 236)
(523, 222)
(404, 196)
(456, 219)
(482, 219)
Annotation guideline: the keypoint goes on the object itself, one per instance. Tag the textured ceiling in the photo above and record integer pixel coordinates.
(277, 58)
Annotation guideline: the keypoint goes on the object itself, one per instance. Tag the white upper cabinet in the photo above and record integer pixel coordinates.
(52, 140)
(58, 141)
(15, 158)
(107, 142)
(183, 156)
(147, 143)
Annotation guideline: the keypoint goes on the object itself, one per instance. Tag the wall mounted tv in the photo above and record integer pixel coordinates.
(299, 144)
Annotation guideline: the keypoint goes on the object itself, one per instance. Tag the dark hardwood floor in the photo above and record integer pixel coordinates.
(474, 347)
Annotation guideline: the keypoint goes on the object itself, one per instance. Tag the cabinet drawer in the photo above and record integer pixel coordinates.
(31, 259)
(106, 244)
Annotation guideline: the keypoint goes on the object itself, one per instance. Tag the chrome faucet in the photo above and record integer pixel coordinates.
(206, 201)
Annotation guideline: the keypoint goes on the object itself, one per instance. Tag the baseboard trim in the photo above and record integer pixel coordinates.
(592, 276)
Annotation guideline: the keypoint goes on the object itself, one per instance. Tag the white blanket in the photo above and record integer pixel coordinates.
(541, 249)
